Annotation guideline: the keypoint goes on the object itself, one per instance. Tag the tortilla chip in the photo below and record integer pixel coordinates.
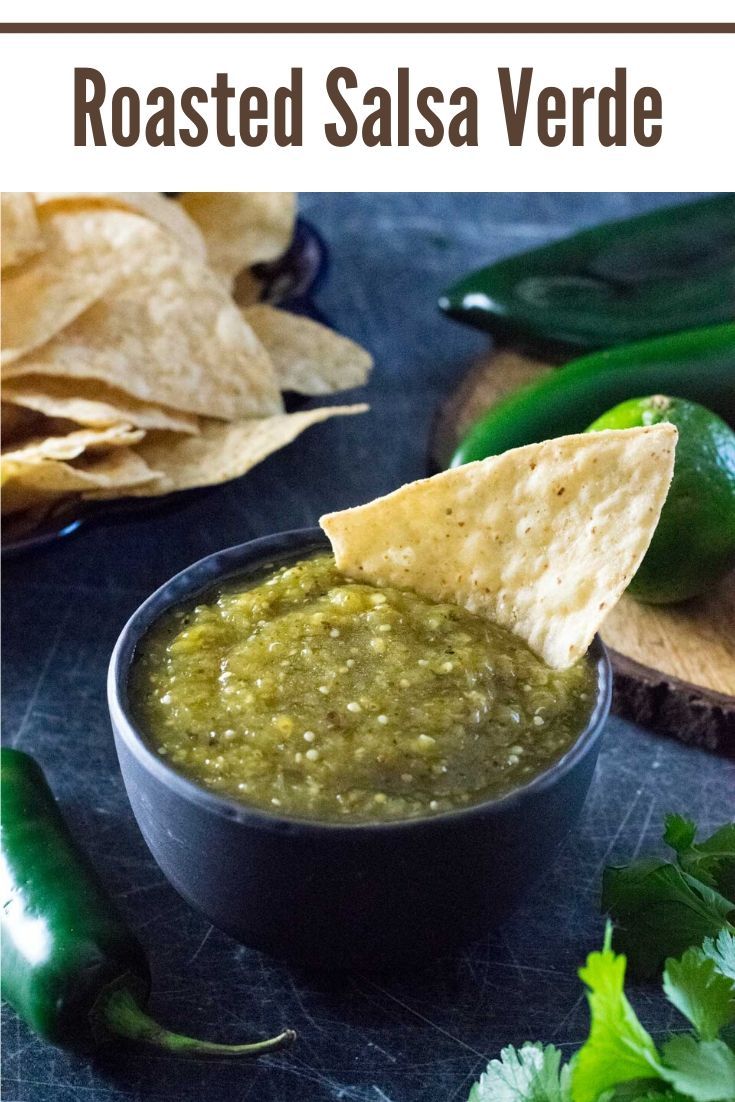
(542, 539)
(224, 451)
(167, 212)
(84, 255)
(242, 228)
(167, 333)
(88, 402)
(28, 485)
(308, 357)
(20, 233)
(20, 426)
(68, 447)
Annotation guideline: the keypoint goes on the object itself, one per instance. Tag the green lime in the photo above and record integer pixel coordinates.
(694, 543)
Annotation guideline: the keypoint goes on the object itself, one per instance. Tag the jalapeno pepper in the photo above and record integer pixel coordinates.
(699, 365)
(663, 272)
(70, 966)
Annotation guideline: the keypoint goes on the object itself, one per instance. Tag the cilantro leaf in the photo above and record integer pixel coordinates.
(703, 995)
(532, 1073)
(618, 1048)
(619, 1061)
(679, 832)
(711, 861)
(660, 911)
(702, 1070)
(722, 952)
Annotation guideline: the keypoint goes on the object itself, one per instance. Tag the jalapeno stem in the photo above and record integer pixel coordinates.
(122, 1016)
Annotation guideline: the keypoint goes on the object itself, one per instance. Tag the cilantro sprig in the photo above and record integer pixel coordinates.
(532, 1073)
(620, 1061)
(660, 907)
(676, 915)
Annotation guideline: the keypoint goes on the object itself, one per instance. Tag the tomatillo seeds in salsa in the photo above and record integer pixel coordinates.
(312, 695)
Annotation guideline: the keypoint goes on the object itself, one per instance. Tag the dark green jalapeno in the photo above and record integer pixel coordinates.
(663, 272)
(699, 365)
(70, 966)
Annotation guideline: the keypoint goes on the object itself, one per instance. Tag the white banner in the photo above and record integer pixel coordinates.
(152, 97)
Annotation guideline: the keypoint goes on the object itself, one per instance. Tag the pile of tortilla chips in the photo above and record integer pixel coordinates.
(128, 367)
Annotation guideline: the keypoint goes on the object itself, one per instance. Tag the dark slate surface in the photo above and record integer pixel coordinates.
(416, 1038)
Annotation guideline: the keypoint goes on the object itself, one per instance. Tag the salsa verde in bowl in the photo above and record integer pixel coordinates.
(322, 697)
(360, 881)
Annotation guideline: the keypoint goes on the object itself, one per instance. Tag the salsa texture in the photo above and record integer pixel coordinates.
(312, 695)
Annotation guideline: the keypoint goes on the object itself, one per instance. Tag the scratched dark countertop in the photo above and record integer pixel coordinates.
(422, 1037)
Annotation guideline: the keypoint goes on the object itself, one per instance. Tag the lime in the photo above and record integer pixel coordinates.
(694, 543)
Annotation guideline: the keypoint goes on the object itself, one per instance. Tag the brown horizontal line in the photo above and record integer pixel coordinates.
(367, 28)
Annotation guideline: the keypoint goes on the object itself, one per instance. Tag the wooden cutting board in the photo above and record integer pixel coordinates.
(674, 665)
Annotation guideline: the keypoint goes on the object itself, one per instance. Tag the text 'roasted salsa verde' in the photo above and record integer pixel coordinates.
(312, 695)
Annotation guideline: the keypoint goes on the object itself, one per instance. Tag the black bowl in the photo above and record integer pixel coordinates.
(332, 894)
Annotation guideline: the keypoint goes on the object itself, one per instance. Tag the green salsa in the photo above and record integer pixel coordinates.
(312, 695)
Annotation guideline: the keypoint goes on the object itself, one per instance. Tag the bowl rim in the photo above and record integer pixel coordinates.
(255, 556)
